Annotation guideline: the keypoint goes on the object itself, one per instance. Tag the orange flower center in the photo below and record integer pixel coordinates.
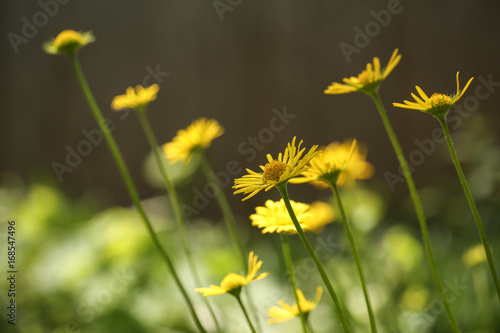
(440, 100)
(273, 171)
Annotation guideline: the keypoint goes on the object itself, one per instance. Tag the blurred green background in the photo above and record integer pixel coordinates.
(85, 263)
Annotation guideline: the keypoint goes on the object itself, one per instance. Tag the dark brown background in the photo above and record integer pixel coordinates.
(262, 55)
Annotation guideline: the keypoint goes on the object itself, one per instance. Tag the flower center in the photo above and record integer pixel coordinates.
(68, 37)
(273, 171)
(440, 100)
(364, 77)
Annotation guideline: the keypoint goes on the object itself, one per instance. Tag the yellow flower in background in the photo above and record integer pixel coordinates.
(437, 105)
(368, 80)
(274, 217)
(321, 214)
(286, 312)
(232, 283)
(136, 99)
(341, 162)
(475, 255)
(68, 42)
(199, 134)
(281, 170)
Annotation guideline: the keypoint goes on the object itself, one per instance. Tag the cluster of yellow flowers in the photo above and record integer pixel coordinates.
(334, 165)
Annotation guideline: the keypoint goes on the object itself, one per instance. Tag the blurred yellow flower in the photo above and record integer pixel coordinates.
(321, 214)
(437, 105)
(414, 298)
(286, 312)
(279, 171)
(232, 283)
(68, 42)
(274, 217)
(199, 134)
(368, 80)
(342, 163)
(475, 255)
(136, 98)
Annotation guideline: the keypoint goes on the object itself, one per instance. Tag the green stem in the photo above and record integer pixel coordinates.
(224, 206)
(354, 251)
(472, 205)
(246, 314)
(340, 312)
(291, 276)
(176, 206)
(418, 208)
(229, 219)
(129, 184)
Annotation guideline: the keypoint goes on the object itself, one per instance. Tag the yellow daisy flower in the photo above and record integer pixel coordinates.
(199, 134)
(368, 80)
(341, 162)
(321, 214)
(136, 98)
(437, 105)
(232, 283)
(68, 42)
(474, 255)
(286, 312)
(274, 217)
(275, 172)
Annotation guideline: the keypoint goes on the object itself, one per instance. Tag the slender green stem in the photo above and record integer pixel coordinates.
(246, 314)
(355, 254)
(340, 312)
(129, 184)
(291, 277)
(224, 206)
(472, 205)
(418, 209)
(229, 219)
(176, 206)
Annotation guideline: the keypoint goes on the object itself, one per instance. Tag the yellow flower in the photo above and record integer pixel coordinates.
(199, 134)
(342, 163)
(368, 80)
(321, 214)
(232, 283)
(136, 98)
(275, 172)
(286, 312)
(474, 255)
(68, 42)
(274, 217)
(437, 105)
